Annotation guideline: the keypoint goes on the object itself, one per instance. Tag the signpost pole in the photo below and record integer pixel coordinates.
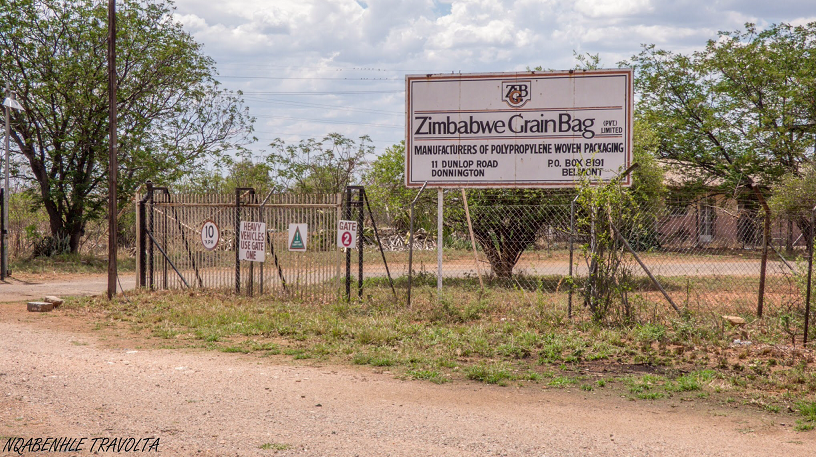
(440, 196)
(9, 103)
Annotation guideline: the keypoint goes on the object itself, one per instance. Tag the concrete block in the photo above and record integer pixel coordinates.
(40, 306)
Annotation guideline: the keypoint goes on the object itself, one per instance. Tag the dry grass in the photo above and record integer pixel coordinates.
(500, 336)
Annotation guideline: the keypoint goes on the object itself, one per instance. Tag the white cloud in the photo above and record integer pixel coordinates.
(612, 8)
(368, 40)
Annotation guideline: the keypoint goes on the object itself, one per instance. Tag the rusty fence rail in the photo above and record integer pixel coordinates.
(172, 253)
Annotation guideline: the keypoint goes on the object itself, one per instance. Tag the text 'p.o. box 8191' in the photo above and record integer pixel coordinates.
(526, 129)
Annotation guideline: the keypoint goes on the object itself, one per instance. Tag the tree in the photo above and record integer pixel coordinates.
(391, 200)
(794, 198)
(741, 111)
(173, 114)
(508, 221)
(326, 166)
(231, 173)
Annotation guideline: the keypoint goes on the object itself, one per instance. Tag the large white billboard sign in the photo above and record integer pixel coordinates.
(518, 129)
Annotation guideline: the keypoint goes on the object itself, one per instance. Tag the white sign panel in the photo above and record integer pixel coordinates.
(347, 234)
(210, 235)
(518, 129)
(298, 235)
(252, 245)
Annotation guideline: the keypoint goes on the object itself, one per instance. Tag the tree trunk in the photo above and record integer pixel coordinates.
(502, 258)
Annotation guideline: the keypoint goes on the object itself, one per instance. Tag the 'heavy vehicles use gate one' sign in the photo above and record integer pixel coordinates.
(524, 129)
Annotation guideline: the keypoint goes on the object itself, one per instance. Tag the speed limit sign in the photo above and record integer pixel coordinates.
(347, 234)
(210, 235)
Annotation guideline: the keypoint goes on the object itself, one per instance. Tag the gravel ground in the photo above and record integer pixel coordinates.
(30, 287)
(60, 381)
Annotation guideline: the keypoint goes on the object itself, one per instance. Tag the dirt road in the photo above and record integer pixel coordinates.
(22, 287)
(58, 380)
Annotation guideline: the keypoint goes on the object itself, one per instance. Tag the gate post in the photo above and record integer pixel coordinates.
(237, 240)
(347, 216)
(3, 233)
(142, 216)
(360, 221)
(809, 274)
(358, 203)
(150, 231)
(238, 191)
(251, 285)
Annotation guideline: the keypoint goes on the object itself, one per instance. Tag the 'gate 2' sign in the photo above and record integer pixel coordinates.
(518, 129)
(347, 234)
(252, 244)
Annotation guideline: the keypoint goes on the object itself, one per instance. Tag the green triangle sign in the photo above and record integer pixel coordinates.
(297, 241)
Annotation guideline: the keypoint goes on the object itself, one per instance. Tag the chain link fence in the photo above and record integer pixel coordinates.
(573, 257)
(586, 260)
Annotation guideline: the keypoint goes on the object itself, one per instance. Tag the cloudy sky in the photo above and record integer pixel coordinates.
(311, 67)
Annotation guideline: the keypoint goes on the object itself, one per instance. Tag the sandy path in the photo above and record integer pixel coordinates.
(35, 287)
(58, 383)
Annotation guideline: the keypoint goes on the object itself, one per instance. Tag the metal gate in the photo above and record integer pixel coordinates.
(173, 253)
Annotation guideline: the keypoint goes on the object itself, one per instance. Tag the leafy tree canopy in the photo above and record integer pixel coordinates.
(391, 200)
(741, 110)
(172, 114)
(243, 170)
(324, 166)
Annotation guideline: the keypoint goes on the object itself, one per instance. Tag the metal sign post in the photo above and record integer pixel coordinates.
(9, 102)
(440, 195)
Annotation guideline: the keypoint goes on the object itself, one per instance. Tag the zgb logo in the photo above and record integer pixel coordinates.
(516, 93)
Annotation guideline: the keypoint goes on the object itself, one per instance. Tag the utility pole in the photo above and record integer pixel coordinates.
(4, 216)
(113, 165)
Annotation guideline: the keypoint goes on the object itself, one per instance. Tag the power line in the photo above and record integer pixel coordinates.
(337, 69)
(328, 121)
(339, 92)
(335, 108)
(359, 79)
(300, 135)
